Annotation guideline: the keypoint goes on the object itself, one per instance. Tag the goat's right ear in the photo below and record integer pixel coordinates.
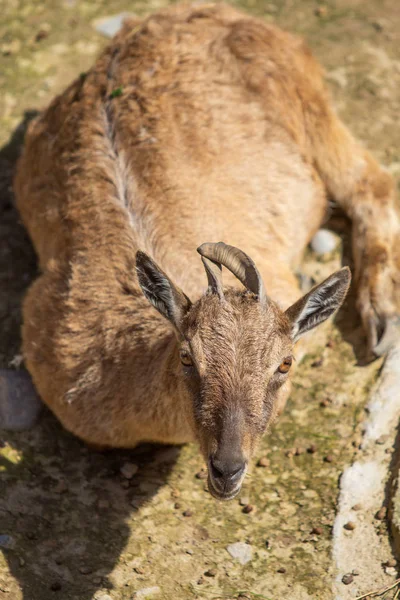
(159, 290)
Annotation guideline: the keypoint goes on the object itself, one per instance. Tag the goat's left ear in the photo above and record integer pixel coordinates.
(160, 291)
(319, 304)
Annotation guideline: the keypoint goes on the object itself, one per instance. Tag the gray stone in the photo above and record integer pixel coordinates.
(128, 470)
(241, 552)
(323, 242)
(109, 26)
(20, 404)
(7, 542)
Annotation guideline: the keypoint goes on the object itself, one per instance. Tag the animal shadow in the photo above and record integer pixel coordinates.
(65, 510)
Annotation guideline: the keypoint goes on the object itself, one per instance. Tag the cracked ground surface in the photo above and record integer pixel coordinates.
(78, 528)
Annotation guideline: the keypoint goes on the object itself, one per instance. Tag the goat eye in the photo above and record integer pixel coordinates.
(285, 365)
(185, 359)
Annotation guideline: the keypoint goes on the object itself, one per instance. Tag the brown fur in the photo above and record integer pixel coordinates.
(223, 131)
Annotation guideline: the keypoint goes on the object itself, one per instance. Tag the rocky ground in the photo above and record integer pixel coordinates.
(79, 525)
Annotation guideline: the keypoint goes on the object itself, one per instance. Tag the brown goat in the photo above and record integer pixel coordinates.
(199, 123)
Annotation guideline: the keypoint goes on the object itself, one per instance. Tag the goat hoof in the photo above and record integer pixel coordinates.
(20, 404)
(389, 336)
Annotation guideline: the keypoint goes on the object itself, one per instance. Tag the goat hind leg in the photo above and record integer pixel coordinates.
(366, 193)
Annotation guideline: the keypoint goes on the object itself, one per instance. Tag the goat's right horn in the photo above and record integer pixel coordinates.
(239, 263)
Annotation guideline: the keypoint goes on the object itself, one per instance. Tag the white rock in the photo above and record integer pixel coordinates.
(128, 470)
(324, 241)
(241, 552)
(109, 26)
(146, 593)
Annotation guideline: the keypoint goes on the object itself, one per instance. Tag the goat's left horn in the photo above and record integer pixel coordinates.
(238, 263)
(214, 276)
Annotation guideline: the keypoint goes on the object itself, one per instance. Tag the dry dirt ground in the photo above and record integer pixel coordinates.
(78, 528)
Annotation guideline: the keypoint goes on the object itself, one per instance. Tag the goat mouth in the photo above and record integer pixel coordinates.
(229, 495)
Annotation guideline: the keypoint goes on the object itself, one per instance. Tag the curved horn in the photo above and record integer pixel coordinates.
(214, 276)
(238, 263)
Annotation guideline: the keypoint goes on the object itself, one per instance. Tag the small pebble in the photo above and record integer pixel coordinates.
(11, 47)
(299, 451)
(85, 570)
(61, 487)
(281, 570)
(328, 458)
(357, 507)
(330, 344)
(128, 470)
(187, 513)
(321, 11)
(391, 563)
(175, 493)
(200, 581)
(43, 32)
(248, 509)
(316, 531)
(355, 572)
(347, 579)
(382, 440)
(201, 475)
(244, 500)
(211, 573)
(381, 514)
(177, 505)
(263, 462)
(317, 363)
(189, 551)
(312, 449)
(325, 403)
(350, 526)
(56, 586)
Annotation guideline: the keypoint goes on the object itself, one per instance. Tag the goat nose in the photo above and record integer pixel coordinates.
(227, 470)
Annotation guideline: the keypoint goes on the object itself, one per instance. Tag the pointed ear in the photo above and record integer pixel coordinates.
(319, 304)
(159, 290)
